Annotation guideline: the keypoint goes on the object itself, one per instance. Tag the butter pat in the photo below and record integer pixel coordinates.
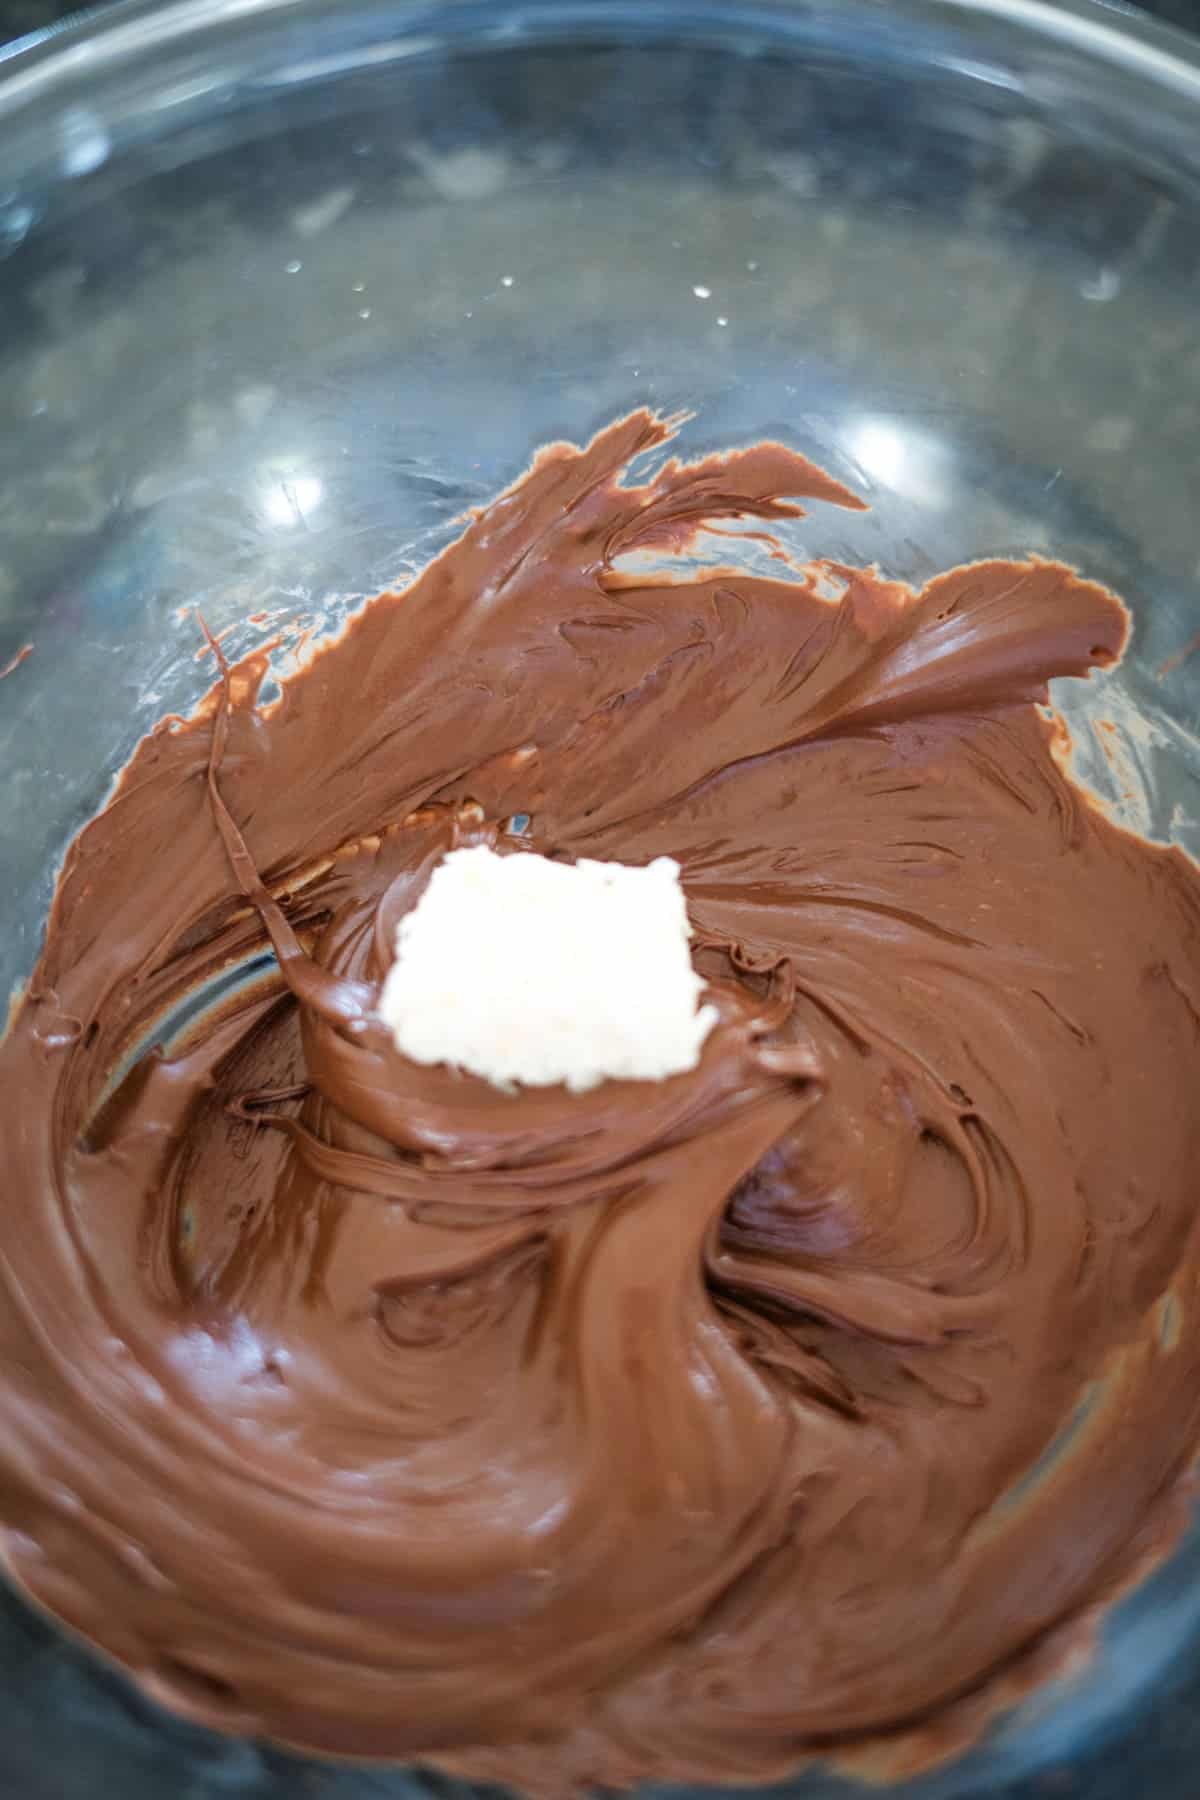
(524, 970)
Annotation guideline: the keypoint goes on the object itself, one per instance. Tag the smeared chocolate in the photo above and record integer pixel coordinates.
(667, 1430)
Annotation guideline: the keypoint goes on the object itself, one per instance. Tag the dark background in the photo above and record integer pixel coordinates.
(18, 16)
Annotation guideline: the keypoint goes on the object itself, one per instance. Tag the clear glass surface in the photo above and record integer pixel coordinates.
(285, 285)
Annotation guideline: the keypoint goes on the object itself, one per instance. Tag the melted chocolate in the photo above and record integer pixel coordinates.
(671, 1429)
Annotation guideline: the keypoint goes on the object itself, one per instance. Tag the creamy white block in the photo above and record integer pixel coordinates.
(532, 972)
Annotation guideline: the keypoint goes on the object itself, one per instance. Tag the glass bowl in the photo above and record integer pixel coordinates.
(285, 285)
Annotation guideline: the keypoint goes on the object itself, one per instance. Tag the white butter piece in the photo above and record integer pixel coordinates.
(524, 970)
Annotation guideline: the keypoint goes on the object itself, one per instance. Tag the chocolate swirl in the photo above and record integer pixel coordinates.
(672, 1429)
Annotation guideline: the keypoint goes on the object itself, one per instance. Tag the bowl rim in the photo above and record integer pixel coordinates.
(102, 39)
